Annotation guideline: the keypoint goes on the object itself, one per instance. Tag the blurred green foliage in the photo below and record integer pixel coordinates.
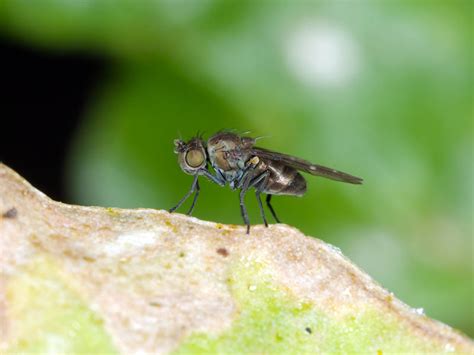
(382, 90)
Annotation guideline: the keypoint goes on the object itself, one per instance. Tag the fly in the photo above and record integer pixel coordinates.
(238, 162)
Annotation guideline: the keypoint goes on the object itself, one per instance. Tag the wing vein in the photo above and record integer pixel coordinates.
(306, 166)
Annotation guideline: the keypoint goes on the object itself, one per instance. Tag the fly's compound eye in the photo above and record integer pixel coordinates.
(194, 158)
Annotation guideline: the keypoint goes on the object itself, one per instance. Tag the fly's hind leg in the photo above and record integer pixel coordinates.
(269, 197)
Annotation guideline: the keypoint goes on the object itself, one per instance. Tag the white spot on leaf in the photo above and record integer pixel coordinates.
(129, 242)
(419, 311)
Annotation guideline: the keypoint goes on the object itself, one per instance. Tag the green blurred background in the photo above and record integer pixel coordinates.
(382, 90)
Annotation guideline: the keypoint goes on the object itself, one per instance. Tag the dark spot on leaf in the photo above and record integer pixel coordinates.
(223, 252)
(308, 330)
(11, 213)
(182, 254)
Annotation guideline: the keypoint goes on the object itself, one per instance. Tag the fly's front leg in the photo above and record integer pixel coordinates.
(195, 198)
(217, 179)
(193, 188)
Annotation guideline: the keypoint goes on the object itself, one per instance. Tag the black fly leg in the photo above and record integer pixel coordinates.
(243, 209)
(260, 182)
(262, 212)
(193, 188)
(195, 198)
(269, 197)
(249, 182)
(217, 179)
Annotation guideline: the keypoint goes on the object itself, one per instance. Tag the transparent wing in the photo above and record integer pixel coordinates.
(306, 166)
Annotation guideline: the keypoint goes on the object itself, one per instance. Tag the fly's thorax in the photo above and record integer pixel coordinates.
(253, 166)
(191, 155)
(227, 151)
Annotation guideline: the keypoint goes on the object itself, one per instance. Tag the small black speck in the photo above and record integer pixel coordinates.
(11, 213)
(308, 330)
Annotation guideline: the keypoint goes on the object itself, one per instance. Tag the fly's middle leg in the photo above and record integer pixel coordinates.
(243, 209)
(260, 206)
(260, 182)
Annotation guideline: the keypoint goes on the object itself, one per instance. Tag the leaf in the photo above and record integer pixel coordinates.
(151, 281)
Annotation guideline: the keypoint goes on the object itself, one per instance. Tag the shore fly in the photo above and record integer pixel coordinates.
(236, 161)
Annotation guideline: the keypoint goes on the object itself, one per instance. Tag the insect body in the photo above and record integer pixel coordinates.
(237, 162)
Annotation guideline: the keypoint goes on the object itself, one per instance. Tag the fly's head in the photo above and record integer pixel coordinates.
(191, 155)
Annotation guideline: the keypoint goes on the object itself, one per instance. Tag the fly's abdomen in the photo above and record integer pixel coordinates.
(284, 180)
